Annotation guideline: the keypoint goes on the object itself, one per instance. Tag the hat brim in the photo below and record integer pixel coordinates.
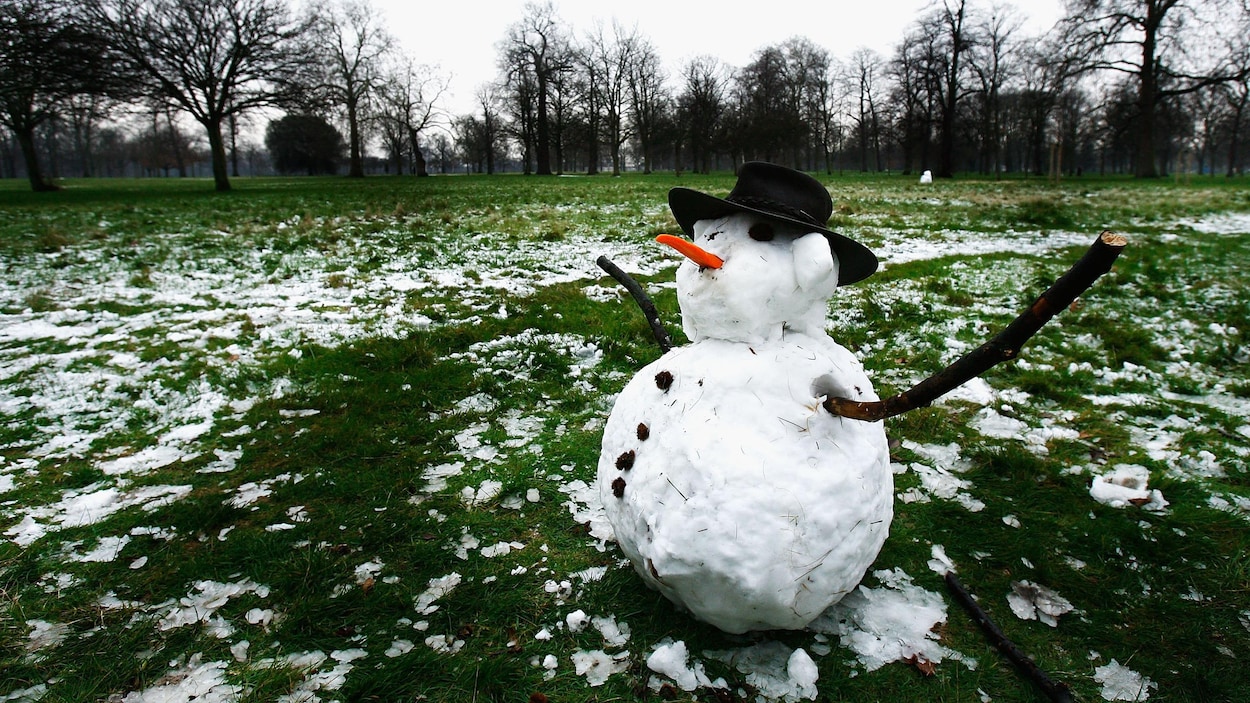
(855, 261)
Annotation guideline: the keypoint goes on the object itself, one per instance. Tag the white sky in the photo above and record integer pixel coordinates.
(460, 35)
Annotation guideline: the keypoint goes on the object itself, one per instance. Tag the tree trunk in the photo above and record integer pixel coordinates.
(234, 146)
(1147, 97)
(355, 167)
(26, 139)
(544, 130)
(418, 159)
(1234, 138)
(217, 147)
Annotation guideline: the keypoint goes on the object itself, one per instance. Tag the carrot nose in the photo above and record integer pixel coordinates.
(692, 251)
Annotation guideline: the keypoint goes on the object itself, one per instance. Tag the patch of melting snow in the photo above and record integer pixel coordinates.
(44, 635)
(1120, 683)
(597, 665)
(106, 550)
(894, 622)
(933, 245)
(939, 483)
(1126, 484)
(774, 670)
(26, 695)
(436, 588)
(331, 679)
(201, 605)
(1030, 601)
(88, 506)
(251, 492)
(671, 660)
(195, 682)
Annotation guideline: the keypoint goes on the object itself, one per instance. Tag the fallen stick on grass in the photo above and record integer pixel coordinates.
(1003, 347)
(1054, 690)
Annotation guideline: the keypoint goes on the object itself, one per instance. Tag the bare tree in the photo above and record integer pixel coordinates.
(912, 98)
(47, 55)
(1167, 47)
(771, 121)
(354, 45)
(991, 61)
(210, 58)
(949, 25)
(864, 68)
(830, 105)
(701, 104)
(537, 49)
(1237, 96)
(647, 97)
(409, 105)
(611, 60)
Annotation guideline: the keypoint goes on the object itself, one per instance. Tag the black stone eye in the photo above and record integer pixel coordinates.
(762, 232)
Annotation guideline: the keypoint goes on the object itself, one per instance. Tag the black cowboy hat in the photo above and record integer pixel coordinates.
(782, 195)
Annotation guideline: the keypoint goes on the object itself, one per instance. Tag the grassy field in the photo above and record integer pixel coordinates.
(318, 439)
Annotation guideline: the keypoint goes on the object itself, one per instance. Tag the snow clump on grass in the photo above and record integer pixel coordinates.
(671, 660)
(1120, 683)
(891, 623)
(1126, 484)
(1030, 601)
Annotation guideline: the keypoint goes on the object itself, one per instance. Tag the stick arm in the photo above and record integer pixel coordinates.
(1004, 346)
(644, 301)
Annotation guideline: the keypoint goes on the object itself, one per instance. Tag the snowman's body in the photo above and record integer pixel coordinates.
(729, 487)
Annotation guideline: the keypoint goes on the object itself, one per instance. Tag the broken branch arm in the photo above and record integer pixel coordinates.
(643, 300)
(1003, 347)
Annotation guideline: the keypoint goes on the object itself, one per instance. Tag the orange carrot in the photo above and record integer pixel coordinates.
(692, 251)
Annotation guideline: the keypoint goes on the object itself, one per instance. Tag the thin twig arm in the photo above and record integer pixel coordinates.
(643, 300)
(1003, 347)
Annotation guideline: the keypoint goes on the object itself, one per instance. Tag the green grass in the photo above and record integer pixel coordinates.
(320, 346)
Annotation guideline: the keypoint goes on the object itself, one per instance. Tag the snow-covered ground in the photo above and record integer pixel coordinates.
(100, 374)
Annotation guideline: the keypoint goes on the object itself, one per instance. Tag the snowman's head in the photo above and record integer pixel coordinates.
(747, 278)
(784, 197)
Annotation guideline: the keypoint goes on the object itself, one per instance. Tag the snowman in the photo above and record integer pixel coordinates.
(730, 488)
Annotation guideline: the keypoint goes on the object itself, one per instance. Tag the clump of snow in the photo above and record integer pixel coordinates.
(368, 570)
(1120, 683)
(436, 588)
(597, 665)
(940, 563)
(892, 623)
(615, 634)
(399, 648)
(1126, 484)
(196, 681)
(975, 390)
(444, 644)
(775, 671)
(670, 659)
(1029, 601)
(576, 620)
(485, 493)
(201, 606)
(586, 506)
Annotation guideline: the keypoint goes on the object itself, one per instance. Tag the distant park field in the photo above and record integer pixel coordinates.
(326, 439)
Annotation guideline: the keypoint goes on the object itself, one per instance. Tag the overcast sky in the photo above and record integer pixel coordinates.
(460, 35)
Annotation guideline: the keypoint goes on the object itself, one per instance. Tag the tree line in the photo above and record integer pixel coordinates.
(1145, 87)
